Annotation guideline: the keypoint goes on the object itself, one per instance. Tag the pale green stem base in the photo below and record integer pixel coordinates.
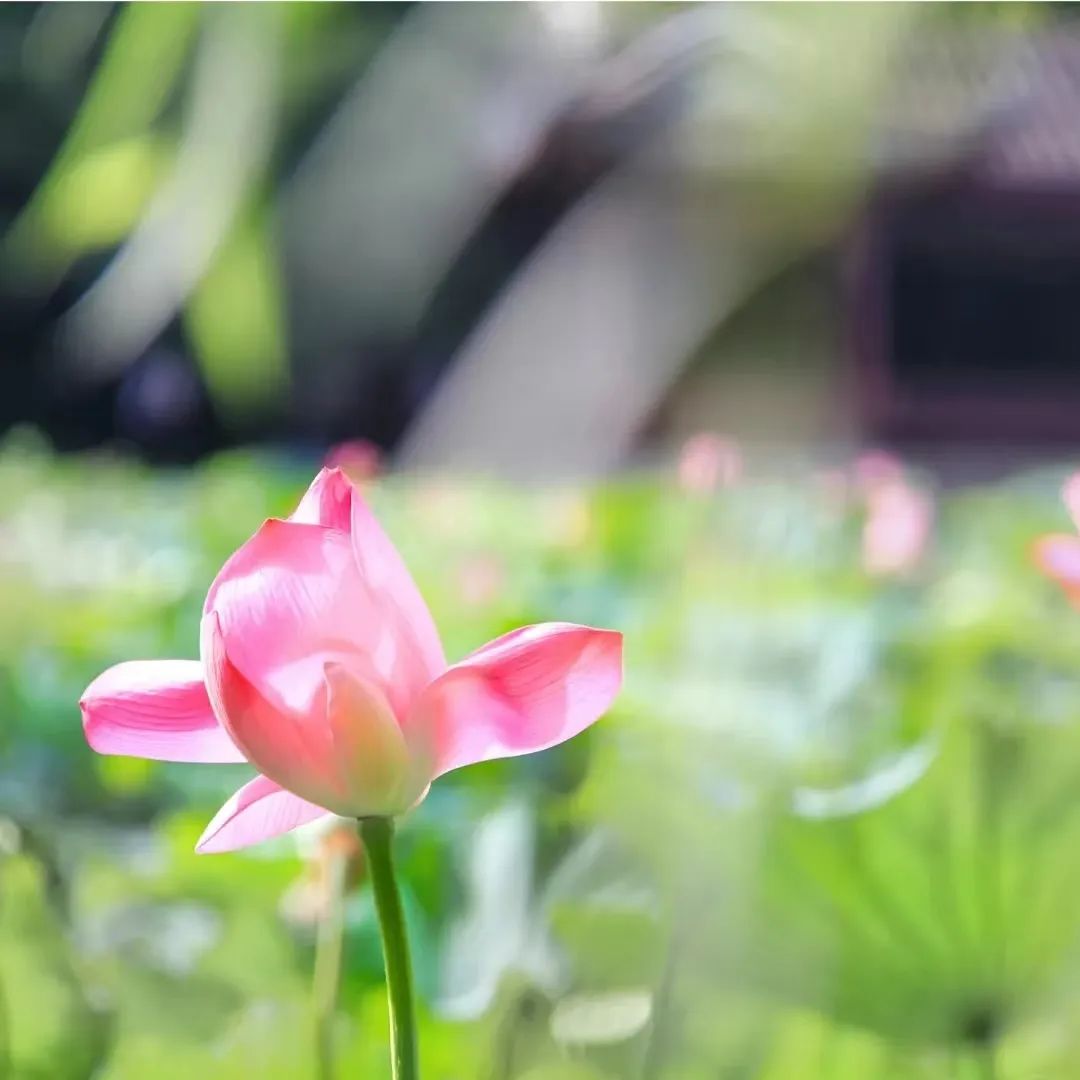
(378, 834)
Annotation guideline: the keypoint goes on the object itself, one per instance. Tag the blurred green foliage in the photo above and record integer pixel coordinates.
(831, 829)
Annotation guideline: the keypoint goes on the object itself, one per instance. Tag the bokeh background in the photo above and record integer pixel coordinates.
(750, 330)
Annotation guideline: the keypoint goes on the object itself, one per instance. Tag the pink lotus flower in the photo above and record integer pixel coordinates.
(708, 462)
(897, 528)
(309, 899)
(1058, 555)
(360, 459)
(321, 666)
(876, 468)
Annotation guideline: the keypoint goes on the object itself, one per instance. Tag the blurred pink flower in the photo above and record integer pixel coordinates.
(1070, 493)
(708, 462)
(898, 521)
(360, 459)
(321, 666)
(307, 900)
(876, 468)
(1058, 555)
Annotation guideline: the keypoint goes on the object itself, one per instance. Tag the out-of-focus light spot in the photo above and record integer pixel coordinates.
(577, 24)
(173, 938)
(101, 197)
(965, 599)
(160, 394)
(125, 775)
(597, 1019)
(38, 542)
(10, 837)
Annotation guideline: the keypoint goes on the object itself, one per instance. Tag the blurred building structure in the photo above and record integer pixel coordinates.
(965, 299)
(544, 236)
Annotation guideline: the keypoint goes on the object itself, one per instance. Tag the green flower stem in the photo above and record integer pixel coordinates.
(377, 834)
(328, 950)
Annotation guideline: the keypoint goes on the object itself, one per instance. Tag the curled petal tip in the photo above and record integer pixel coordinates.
(526, 691)
(156, 709)
(327, 501)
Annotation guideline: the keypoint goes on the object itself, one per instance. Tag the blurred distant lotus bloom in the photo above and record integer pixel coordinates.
(308, 900)
(1070, 494)
(898, 522)
(877, 468)
(360, 459)
(1058, 555)
(708, 462)
(321, 666)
